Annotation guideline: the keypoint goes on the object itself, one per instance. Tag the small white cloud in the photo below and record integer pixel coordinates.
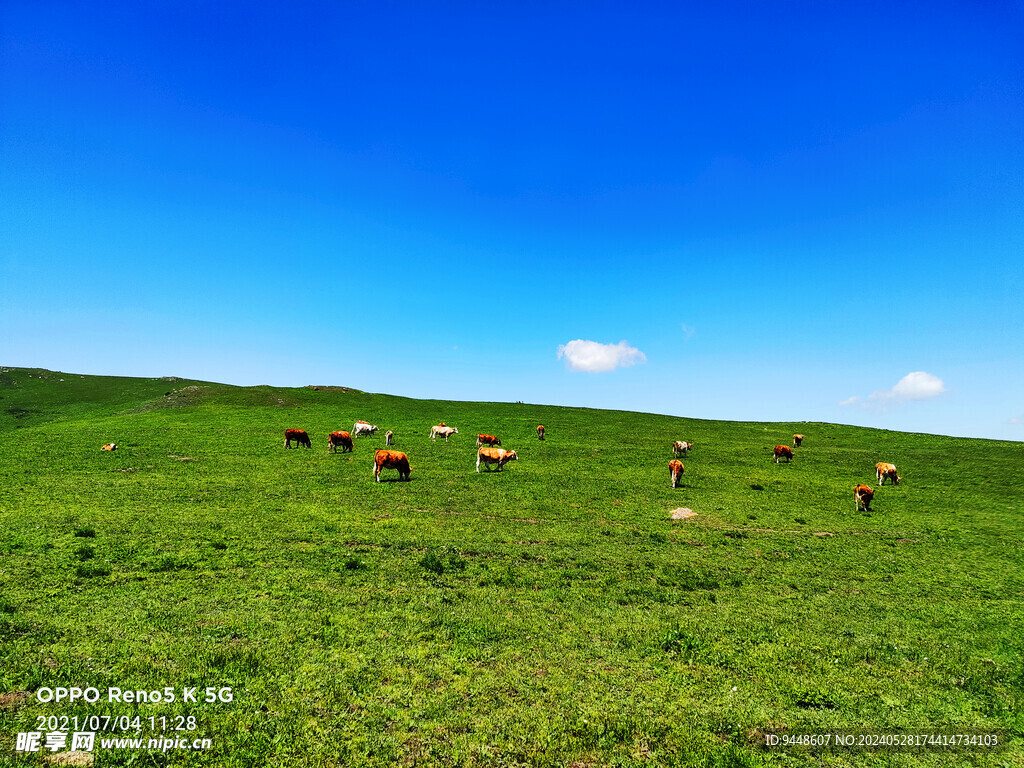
(688, 331)
(914, 386)
(917, 385)
(594, 357)
(1017, 420)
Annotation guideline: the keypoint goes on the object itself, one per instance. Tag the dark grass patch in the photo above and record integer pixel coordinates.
(443, 560)
(815, 698)
(166, 563)
(92, 571)
(353, 563)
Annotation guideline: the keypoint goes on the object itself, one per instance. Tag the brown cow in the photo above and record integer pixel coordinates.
(885, 470)
(499, 456)
(783, 451)
(299, 436)
(863, 495)
(797, 439)
(109, 447)
(344, 439)
(391, 460)
(540, 431)
(487, 440)
(675, 471)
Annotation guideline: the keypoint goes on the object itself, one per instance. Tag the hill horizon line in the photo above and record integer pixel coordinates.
(30, 370)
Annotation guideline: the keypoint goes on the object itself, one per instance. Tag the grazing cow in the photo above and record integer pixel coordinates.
(443, 431)
(797, 439)
(679, 448)
(863, 495)
(675, 471)
(363, 428)
(487, 440)
(299, 436)
(884, 470)
(783, 451)
(489, 455)
(389, 438)
(109, 447)
(344, 439)
(540, 431)
(391, 460)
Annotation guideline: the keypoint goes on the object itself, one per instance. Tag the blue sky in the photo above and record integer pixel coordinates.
(798, 211)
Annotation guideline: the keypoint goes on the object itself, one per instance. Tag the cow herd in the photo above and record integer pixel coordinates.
(862, 494)
(489, 452)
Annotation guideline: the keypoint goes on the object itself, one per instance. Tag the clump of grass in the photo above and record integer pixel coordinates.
(92, 570)
(218, 545)
(165, 563)
(815, 698)
(85, 552)
(450, 559)
(678, 642)
(687, 579)
(85, 532)
(432, 562)
(353, 563)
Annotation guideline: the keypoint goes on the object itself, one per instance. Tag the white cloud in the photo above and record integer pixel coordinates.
(1017, 420)
(914, 386)
(688, 331)
(594, 357)
(917, 385)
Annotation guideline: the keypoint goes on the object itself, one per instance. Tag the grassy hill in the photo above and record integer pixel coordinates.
(549, 614)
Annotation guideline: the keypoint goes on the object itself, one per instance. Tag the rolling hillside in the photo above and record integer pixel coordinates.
(549, 614)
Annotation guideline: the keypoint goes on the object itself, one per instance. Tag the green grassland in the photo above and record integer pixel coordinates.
(549, 614)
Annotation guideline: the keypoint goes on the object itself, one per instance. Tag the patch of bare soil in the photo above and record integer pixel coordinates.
(683, 513)
(14, 699)
(77, 757)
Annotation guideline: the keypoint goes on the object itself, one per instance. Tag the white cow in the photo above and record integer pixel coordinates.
(442, 430)
(363, 428)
